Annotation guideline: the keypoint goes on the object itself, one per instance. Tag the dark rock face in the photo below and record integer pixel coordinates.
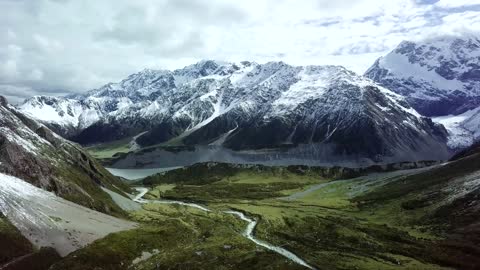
(471, 151)
(437, 77)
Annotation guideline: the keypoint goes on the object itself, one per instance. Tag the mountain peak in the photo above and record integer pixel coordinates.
(201, 69)
(439, 75)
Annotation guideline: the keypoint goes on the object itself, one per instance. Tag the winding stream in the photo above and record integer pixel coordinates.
(143, 191)
(248, 233)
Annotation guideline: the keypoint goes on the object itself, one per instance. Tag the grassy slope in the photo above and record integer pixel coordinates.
(444, 201)
(177, 238)
(80, 171)
(382, 234)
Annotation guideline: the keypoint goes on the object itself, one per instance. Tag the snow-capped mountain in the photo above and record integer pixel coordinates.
(30, 151)
(244, 106)
(438, 76)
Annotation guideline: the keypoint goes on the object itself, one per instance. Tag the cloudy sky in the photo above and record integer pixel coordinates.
(55, 47)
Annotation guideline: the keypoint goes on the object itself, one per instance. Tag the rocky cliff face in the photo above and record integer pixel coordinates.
(31, 151)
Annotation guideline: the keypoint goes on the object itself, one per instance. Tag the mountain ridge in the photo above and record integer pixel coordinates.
(250, 106)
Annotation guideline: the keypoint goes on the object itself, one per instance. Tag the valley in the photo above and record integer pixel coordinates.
(410, 215)
(246, 165)
(331, 224)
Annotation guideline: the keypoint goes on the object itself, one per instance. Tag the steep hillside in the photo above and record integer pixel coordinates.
(32, 152)
(444, 200)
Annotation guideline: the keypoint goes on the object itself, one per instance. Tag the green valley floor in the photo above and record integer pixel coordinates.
(406, 219)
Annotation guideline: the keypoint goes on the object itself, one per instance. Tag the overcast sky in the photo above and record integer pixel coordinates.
(55, 47)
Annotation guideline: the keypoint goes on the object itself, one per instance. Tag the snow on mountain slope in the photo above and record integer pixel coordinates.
(463, 129)
(14, 131)
(252, 106)
(438, 76)
(310, 84)
(47, 220)
(64, 112)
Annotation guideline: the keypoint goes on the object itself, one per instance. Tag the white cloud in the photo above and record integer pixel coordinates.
(11, 35)
(46, 44)
(36, 75)
(15, 94)
(60, 46)
(457, 3)
(9, 69)
(455, 23)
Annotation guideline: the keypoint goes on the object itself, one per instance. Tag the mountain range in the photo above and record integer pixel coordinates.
(329, 111)
(250, 106)
(61, 209)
